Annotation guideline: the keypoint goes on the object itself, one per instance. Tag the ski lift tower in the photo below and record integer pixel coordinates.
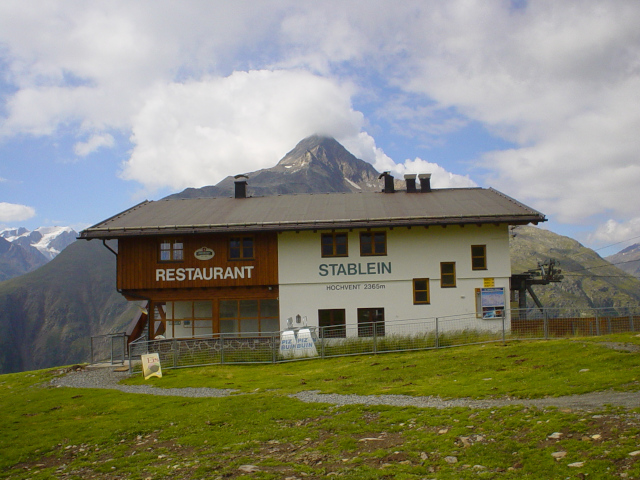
(546, 273)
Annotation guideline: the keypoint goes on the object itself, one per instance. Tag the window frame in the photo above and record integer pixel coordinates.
(372, 243)
(425, 290)
(241, 248)
(172, 250)
(334, 245)
(261, 316)
(444, 275)
(482, 257)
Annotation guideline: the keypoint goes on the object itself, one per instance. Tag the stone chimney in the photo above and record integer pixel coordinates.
(241, 186)
(410, 178)
(425, 182)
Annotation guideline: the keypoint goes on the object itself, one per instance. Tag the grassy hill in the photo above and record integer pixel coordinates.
(49, 432)
(48, 316)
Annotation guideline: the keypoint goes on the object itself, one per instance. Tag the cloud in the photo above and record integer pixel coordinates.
(565, 92)
(209, 89)
(94, 143)
(195, 133)
(614, 231)
(11, 212)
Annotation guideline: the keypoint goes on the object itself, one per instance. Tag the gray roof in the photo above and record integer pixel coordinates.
(316, 211)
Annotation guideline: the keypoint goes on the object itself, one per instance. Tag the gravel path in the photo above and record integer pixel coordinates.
(108, 379)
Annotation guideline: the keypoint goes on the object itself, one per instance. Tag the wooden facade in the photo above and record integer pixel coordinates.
(189, 293)
(139, 262)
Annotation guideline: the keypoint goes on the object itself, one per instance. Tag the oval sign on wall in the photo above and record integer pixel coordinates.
(204, 253)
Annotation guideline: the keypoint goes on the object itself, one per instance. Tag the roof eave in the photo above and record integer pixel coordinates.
(106, 233)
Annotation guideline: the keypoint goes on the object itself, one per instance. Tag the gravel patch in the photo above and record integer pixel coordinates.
(587, 401)
(106, 378)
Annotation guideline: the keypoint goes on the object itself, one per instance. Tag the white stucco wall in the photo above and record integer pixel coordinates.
(309, 282)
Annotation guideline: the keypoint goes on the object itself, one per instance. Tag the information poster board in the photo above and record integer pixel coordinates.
(151, 366)
(490, 302)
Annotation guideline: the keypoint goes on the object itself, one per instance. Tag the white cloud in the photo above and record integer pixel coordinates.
(213, 88)
(196, 133)
(11, 212)
(613, 231)
(94, 143)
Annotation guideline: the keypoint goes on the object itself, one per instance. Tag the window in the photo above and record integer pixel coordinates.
(171, 250)
(241, 248)
(334, 245)
(373, 243)
(420, 291)
(370, 322)
(448, 274)
(332, 323)
(478, 257)
(249, 317)
(186, 318)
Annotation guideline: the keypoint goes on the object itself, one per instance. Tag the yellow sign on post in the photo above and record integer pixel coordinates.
(151, 366)
(489, 283)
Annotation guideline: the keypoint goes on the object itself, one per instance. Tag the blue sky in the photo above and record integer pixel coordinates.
(104, 104)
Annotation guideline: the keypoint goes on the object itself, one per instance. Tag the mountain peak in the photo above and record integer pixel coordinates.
(317, 164)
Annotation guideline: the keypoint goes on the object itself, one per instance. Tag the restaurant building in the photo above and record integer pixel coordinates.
(244, 265)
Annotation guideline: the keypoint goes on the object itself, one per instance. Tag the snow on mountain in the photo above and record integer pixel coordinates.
(49, 241)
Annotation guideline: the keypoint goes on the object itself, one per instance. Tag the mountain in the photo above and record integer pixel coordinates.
(589, 280)
(49, 241)
(23, 251)
(627, 260)
(316, 165)
(48, 316)
(16, 260)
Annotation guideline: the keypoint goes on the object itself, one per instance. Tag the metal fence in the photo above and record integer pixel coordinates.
(382, 337)
(110, 348)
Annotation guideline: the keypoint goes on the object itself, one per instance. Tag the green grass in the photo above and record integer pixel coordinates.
(84, 433)
(519, 369)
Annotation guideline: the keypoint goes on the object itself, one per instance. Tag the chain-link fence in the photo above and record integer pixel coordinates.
(380, 337)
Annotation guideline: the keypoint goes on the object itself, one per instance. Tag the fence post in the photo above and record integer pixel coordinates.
(273, 348)
(175, 352)
(631, 322)
(437, 334)
(609, 324)
(375, 338)
(504, 332)
(597, 324)
(322, 334)
(546, 324)
(221, 349)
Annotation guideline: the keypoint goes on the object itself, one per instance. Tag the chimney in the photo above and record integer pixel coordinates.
(425, 182)
(388, 182)
(410, 178)
(241, 186)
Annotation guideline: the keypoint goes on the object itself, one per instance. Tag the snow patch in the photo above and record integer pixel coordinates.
(49, 241)
(353, 184)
